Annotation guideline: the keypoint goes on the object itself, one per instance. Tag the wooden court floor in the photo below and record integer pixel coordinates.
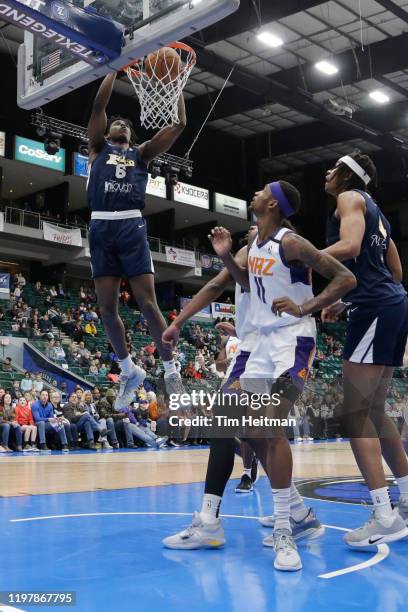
(81, 471)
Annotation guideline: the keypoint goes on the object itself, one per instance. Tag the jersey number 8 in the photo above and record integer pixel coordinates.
(120, 171)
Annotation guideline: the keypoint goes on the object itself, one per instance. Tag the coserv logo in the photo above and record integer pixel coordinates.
(24, 150)
(33, 152)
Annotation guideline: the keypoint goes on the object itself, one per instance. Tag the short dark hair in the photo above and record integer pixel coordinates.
(133, 137)
(354, 181)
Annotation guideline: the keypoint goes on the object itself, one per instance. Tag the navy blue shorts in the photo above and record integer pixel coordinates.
(377, 334)
(119, 248)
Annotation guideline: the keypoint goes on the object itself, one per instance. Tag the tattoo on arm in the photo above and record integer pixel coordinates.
(299, 251)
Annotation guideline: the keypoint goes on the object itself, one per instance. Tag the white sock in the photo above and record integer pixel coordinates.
(403, 487)
(170, 367)
(298, 510)
(382, 505)
(126, 365)
(281, 508)
(247, 472)
(210, 508)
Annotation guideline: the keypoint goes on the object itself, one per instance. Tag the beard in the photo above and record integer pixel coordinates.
(120, 138)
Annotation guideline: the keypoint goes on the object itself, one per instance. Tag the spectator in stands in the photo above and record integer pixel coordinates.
(59, 354)
(82, 294)
(84, 421)
(16, 293)
(90, 329)
(2, 315)
(64, 392)
(47, 422)
(172, 315)
(46, 327)
(15, 392)
(93, 368)
(9, 415)
(103, 371)
(4, 430)
(21, 280)
(105, 409)
(53, 292)
(140, 429)
(56, 316)
(38, 384)
(106, 423)
(25, 419)
(26, 383)
(7, 365)
(71, 431)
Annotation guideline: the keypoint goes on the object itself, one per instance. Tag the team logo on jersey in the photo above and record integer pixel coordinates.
(115, 160)
(234, 386)
(303, 374)
(260, 266)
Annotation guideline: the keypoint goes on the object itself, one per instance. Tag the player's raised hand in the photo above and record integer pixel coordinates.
(285, 304)
(221, 240)
(170, 336)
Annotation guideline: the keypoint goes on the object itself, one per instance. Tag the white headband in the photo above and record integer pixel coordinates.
(356, 168)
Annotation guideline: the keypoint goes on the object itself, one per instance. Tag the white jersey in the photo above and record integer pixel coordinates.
(270, 278)
(243, 323)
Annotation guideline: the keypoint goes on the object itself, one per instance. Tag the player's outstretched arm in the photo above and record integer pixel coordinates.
(164, 140)
(98, 120)
(299, 251)
(221, 240)
(207, 294)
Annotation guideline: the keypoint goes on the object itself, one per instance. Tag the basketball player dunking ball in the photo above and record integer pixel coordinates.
(117, 232)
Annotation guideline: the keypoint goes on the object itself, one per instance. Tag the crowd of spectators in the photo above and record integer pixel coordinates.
(91, 418)
(35, 419)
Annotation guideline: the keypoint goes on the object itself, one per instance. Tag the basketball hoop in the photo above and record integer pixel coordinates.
(158, 80)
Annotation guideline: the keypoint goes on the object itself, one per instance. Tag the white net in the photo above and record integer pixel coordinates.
(158, 80)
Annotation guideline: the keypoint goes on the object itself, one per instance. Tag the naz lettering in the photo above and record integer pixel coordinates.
(261, 266)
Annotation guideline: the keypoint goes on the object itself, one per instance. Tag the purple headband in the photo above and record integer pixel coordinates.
(284, 204)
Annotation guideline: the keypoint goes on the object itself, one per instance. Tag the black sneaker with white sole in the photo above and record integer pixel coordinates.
(245, 486)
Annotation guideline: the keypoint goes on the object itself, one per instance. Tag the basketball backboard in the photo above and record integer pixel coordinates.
(45, 72)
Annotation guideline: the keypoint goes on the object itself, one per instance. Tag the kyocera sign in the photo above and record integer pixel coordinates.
(33, 152)
(189, 194)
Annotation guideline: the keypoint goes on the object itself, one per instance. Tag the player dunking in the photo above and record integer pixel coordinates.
(117, 232)
(280, 355)
(360, 235)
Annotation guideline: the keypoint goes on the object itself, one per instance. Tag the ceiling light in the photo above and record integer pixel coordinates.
(270, 39)
(327, 67)
(379, 96)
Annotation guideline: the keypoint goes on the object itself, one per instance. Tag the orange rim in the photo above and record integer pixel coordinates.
(175, 45)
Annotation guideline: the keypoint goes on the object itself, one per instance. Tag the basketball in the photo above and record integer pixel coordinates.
(165, 64)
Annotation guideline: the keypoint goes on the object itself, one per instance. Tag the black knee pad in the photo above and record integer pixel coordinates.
(286, 388)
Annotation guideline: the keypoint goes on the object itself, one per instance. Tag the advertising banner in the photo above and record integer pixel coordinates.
(62, 235)
(180, 257)
(33, 152)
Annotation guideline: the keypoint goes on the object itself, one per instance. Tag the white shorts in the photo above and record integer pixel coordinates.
(286, 350)
(245, 346)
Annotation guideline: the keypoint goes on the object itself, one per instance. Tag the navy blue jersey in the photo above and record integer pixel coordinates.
(117, 180)
(375, 283)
